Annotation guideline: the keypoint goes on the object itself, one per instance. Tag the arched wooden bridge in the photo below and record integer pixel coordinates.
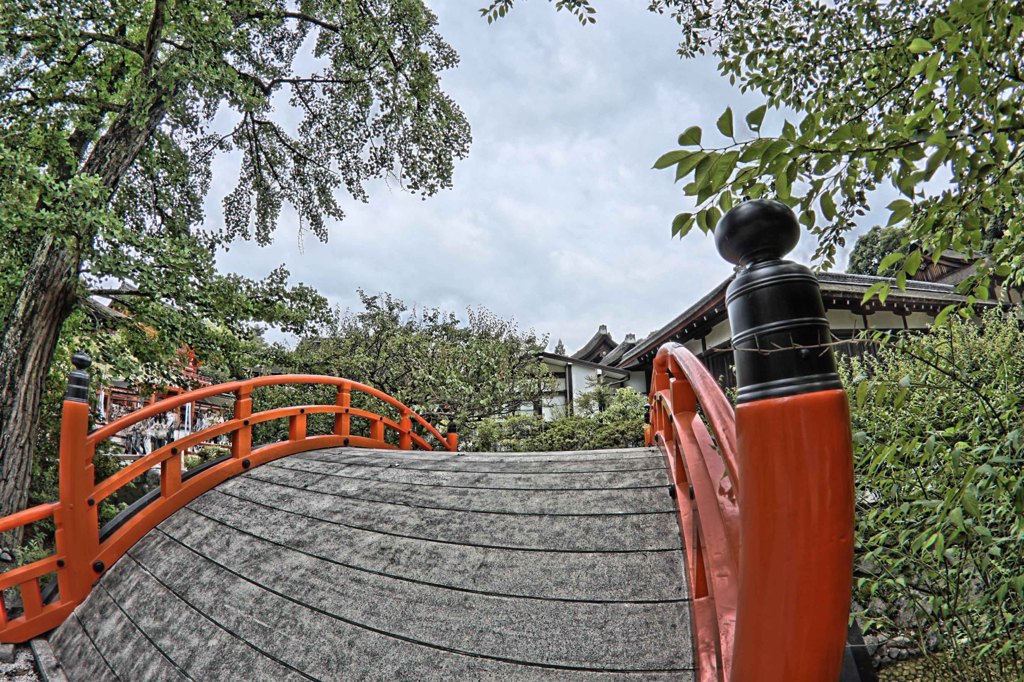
(721, 552)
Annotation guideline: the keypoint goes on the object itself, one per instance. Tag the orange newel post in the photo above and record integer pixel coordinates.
(452, 437)
(77, 529)
(794, 456)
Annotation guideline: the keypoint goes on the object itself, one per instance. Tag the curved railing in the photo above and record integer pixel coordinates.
(82, 554)
(766, 498)
(705, 483)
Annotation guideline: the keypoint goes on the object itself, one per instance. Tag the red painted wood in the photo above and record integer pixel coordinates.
(81, 559)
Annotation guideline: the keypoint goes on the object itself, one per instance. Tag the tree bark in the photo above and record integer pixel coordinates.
(26, 348)
(45, 300)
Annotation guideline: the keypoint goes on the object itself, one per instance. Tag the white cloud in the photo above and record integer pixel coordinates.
(556, 217)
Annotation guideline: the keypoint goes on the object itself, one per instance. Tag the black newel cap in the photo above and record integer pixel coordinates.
(78, 380)
(780, 335)
(452, 427)
(756, 230)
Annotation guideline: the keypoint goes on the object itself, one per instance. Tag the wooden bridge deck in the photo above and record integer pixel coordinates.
(355, 564)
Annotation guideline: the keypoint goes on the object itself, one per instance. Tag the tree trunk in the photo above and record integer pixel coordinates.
(44, 302)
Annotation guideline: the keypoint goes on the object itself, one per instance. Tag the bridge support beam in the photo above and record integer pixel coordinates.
(794, 454)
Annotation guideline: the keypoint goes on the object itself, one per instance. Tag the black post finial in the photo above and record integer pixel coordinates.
(780, 335)
(757, 230)
(78, 380)
(452, 428)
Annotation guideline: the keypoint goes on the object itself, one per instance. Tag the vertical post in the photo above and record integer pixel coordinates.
(794, 456)
(297, 427)
(648, 435)
(77, 535)
(377, 429)
(343, 420)
(170, 473)
(241, 440)
(452, 437)
(405, 436)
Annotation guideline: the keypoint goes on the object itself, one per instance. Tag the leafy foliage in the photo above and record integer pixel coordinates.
(426, 358)
(619, 425)
(938, 429)
(896, 94)
(72, 75)
(873, 247)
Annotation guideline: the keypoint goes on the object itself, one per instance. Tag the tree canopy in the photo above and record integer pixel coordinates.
(443, 368)
(872, 247)
(111, 113)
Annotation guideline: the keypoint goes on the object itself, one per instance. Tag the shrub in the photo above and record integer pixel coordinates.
(940, 501)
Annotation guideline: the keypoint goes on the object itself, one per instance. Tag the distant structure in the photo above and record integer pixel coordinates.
(704, 329)
(583, 370)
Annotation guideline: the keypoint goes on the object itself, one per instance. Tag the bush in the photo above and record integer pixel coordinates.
(619, 425)
(940, 502)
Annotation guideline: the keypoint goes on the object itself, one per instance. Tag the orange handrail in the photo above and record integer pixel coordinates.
(769, 557)
(81, 555)
(705, 479)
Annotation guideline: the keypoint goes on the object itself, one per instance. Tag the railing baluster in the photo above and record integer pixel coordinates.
(297, 427)
(31, 599)
(343, 420)
(377, 429)
(241, 440)
(405, 435)
(170, 474)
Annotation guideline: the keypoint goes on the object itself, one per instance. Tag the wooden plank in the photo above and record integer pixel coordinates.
(609, 533)
(231, 577)
(579, 502)
(184, 633)
(71, 649)
(399, 472)
(452, 462)
(624, 576)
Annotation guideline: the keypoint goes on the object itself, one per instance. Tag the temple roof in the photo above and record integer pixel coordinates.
(838, 290)
(600, 345)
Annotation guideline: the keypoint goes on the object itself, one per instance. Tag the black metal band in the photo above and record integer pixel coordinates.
(780, 334)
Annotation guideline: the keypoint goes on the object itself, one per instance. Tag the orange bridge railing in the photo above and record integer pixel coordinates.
(83, 552)
(766, 497)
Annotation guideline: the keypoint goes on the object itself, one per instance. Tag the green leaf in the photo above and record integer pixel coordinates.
(888, 262)
(901, 210)
(671, 158)
(686, 166)
(828, 206)
(913, 263)
(690, 137)
(755, 117)
(970, 501)
(873, 290)
(724, 122)
(919, 46)
(682, 224)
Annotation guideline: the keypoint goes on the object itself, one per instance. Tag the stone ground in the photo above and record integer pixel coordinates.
(934, 669)
(23, 669)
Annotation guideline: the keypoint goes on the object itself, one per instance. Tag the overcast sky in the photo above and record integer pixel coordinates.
(556, 218)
